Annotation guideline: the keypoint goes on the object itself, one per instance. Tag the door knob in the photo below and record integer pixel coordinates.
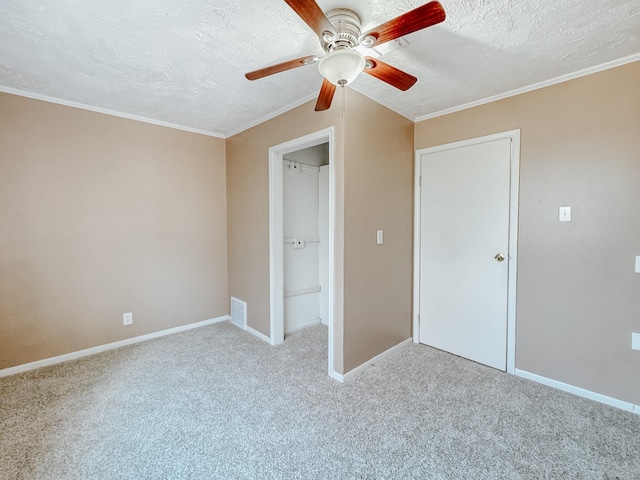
(499, 257)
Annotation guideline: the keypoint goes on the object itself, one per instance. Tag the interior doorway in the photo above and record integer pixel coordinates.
(466, 246)
(309, 283)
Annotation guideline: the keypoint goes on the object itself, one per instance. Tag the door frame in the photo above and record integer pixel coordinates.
(276, 233)
(514, 135)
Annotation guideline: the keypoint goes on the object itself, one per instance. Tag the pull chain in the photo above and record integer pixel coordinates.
(341, 84)
(343, 101)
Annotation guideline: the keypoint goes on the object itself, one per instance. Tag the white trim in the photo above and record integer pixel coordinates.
(261, 336)
(106, 111)
(109, 346)
(514, 136)
(276, 246)
(513, 250)
(417, 180)
(336, 257)
(303, 326)
(581, 392)
(272, 114)
(351, 374)
(535, 86)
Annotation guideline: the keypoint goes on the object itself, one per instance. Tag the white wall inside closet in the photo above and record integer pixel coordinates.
(306, 237)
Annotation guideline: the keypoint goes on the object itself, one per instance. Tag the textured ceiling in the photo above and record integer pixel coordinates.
(182, 62)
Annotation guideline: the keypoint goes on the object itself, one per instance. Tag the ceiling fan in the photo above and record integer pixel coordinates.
(339, 33)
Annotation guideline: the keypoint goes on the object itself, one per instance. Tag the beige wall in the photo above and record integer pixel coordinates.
(101, 216)
(378, 196)
(578, 299)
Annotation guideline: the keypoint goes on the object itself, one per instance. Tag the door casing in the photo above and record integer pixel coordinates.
(514, 135)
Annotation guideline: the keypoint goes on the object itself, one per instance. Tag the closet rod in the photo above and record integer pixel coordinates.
(306, 240)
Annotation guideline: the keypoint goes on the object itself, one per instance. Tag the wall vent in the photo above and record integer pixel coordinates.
(239, 313)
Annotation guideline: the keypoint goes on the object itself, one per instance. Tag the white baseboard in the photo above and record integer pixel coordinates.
(581, 392)
(261, 336)
(302, 327)
(109, 346)
(351, 374)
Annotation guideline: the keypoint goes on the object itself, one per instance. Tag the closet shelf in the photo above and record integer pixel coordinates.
(301, 291)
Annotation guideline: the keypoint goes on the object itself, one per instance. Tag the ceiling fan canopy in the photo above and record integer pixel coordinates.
(339, 32)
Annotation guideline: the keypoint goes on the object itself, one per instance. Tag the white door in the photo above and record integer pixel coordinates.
(464, 245)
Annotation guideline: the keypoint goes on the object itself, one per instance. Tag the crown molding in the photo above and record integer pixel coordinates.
(106, 111)
(535, 86)
(273, 114)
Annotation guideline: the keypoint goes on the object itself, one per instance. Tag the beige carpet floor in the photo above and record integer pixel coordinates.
(217, 402)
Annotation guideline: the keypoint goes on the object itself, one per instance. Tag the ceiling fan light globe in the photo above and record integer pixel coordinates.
(341, 67)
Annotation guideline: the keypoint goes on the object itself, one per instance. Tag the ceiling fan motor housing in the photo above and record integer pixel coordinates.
(348, 27)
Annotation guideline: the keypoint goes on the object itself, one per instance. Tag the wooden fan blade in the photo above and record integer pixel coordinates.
(326, 95)
(312, 14)
(281, 67)
(391, 75)
(422, 17)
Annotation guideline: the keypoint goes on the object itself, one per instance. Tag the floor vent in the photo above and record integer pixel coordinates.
(239, 313)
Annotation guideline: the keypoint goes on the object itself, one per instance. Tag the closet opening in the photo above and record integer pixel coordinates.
(302, 238)
(306, 237)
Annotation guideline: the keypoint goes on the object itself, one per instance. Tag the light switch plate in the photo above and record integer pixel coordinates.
(637, 264)
(635, 341)
(564, 214)
(379, 237)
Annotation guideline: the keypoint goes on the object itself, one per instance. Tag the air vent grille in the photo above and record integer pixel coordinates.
(239, 313)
